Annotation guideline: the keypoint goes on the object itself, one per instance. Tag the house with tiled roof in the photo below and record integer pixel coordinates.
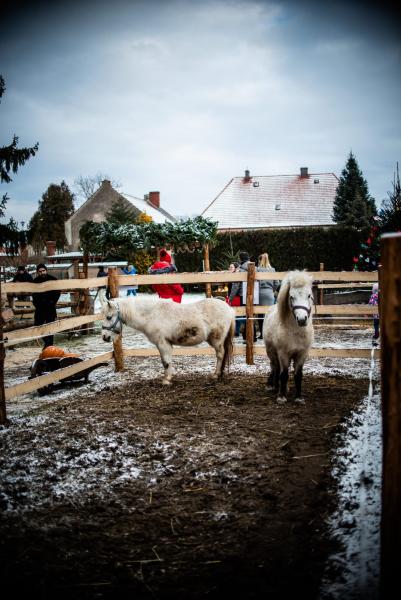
(101, 202)
(275, 201)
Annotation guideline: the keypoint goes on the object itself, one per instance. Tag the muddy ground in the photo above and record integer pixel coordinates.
(196, 491)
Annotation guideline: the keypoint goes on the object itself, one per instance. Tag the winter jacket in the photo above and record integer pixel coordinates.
(166, 290)
(236, 288)
(266, 287)
(45, 302)
(21, 278)
(127, 271)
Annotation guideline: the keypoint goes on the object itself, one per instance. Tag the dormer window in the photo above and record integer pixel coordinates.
(315, 181)
(277, 207)
(255, 184)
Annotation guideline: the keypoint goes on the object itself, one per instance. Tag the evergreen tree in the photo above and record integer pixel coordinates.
(121, 213)
(11, 157)
(353, 204)
(47, 223)
(390, 212)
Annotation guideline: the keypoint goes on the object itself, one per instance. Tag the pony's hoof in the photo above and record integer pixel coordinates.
(299, 401)
(281, 400)
(166, 382)
(215, 376)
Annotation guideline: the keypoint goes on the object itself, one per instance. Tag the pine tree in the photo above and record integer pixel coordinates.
(11, 157)
(390, 212)
(47, 223)
(121, 213)
(353, 204)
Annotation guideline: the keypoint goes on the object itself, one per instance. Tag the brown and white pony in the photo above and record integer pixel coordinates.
(288, 333)
(167, 324)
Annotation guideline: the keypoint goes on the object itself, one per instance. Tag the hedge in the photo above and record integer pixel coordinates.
(290, 248)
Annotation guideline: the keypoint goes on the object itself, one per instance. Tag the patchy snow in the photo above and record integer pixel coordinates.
(76, 468)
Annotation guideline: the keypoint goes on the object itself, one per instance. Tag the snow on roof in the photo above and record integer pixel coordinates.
(159, 215)
(275, 201)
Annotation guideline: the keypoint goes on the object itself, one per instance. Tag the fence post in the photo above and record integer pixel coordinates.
(390, 336)
(321, 301)
(3, 410)
(118, 343)
(206, 261)
(250, 327)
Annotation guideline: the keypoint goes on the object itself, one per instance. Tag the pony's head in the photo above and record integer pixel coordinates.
(112, 325)
(296, 297)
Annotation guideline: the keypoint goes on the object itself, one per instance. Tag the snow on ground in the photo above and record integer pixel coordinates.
(357, 464)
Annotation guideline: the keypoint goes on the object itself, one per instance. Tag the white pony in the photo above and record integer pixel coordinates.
(288, 333)
(166, 323)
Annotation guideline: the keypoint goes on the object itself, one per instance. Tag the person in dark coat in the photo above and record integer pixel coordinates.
(21, 276)
(45, 302)
(103, 273)
(161, 267)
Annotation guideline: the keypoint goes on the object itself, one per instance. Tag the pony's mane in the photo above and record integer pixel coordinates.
(292, 279)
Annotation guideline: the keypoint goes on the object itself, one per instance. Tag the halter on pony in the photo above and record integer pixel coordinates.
(114, 325)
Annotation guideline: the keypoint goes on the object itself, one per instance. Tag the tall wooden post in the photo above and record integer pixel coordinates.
(390, 336)
(118, 343)
(3, 411)
(250, 284)
(206, 260)
(321, 291)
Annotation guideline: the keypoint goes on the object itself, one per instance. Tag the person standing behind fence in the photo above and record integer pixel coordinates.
(266, 288)
(45, 302)
(21, 276)
(162, 267)
(237, 286)
(103, 273)
(131, 289)
(374, 301)
(236, 301)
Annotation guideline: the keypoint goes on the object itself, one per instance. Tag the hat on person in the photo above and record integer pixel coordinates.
(164, 255)
(21, 268)
(41, 266)
(130, 267)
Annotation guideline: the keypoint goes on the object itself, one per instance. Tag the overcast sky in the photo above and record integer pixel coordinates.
(181, 96)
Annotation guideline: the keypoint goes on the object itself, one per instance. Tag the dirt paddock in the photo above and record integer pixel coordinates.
(201, 490)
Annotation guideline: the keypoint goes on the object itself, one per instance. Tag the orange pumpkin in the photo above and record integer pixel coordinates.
(55, 352)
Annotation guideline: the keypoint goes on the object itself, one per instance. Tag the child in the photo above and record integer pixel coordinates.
(374, 300)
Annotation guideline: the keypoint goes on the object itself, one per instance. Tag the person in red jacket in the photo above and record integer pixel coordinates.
(161, 267)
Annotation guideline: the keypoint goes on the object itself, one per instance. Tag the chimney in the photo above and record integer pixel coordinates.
(50, 248)
(247, 177)
(154, 198)
(304, 172)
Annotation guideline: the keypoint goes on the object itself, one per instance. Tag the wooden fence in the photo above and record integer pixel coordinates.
(114, 281)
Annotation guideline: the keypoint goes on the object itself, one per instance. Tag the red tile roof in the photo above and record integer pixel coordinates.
(275, 201)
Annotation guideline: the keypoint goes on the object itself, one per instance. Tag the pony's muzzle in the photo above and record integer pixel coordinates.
(106, 337)
(302, 321)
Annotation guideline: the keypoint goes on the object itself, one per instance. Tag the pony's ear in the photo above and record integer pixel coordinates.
(282, 299)
(102, 297)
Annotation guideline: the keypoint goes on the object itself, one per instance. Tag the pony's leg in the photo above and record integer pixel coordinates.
(219, 349)
(283, 381)
(298, 374)
(166, 355)
(273, 378)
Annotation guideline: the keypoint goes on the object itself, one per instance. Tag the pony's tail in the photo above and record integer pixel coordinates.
(228, 347)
